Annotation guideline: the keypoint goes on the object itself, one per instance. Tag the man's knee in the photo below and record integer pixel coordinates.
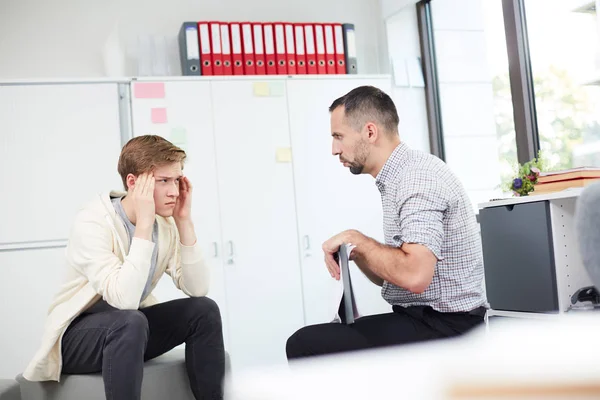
(328, 338)
(131, 325)
(292, 346)
(298, 345)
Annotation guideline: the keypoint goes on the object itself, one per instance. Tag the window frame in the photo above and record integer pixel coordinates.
(521, 79)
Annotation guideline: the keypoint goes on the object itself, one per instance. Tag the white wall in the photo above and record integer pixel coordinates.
(65, 38)
(466, 95)
(403, 44)
(391, 7)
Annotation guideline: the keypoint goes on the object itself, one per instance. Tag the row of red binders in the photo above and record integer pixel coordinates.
(267, 48)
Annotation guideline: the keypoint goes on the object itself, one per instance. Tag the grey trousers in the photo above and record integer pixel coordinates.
(117, 342)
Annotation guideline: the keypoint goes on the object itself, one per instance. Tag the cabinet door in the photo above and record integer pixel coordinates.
(329, 198)
(264, 291)
(60, 147)
(189, 124)
(30, 279)
(517, 279)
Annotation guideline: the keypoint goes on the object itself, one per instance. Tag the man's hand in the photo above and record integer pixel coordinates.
(183, 205)
(331, 247)
(142, 197)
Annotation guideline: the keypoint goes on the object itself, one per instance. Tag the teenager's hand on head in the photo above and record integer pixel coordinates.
(183, 205)
(143, 200)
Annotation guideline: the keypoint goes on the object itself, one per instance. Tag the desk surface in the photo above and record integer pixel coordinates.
(564, 194)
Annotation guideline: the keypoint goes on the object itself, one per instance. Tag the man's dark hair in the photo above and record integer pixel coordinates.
(368, 103)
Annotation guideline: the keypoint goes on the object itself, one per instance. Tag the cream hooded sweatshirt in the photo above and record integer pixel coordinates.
(101, 264)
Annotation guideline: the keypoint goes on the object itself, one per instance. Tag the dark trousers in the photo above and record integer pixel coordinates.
(404, 325)
(117, 342)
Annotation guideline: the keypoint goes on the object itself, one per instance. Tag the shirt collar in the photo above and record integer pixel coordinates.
(391, 167)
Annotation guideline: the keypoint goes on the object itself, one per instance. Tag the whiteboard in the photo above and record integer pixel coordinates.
(60, 146)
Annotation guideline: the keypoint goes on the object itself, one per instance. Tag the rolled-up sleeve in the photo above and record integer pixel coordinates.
(422, 203)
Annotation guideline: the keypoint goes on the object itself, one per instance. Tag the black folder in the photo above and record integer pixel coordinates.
(348, 303)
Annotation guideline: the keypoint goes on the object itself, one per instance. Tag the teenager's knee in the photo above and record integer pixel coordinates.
(204, 308)
(132, 325)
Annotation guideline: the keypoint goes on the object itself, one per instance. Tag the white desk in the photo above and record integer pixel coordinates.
(533, 267)
(564, 194)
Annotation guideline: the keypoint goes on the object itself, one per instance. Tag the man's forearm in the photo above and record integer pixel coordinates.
(368, 273)
(187, 234)
(382, 262)
(364, 246)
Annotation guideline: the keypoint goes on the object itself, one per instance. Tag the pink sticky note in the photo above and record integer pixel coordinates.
(149, 90)
(158, 115)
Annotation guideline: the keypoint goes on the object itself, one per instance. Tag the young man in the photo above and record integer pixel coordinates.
(105, 317)
(431, 265)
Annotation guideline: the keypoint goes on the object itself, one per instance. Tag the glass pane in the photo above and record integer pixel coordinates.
(476, 102)
(563, 42)
(503, 107)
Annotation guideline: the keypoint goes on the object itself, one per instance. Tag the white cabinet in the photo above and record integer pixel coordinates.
(60, 146)
(264, 291)
(267, 193)
(189, 124)
(30, 279)
(244, 207)
(329, 198)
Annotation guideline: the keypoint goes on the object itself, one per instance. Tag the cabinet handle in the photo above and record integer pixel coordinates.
(231, 252)
(306, 242)
(215, 249)
(307, 246)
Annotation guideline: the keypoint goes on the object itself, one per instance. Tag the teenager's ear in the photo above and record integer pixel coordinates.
(130, 181)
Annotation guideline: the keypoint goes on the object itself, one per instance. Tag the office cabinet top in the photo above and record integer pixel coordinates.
(565, 194)
(259, 77)
(128, 80)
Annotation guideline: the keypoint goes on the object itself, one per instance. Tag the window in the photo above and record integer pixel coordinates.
(563, 46)
(475, 96)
